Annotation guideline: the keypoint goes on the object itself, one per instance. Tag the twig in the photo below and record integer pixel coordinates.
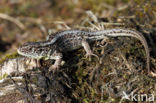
(125, 60)
(92, 16)
(23, 91)
(31, 19)
(63, 23)
(11, 19)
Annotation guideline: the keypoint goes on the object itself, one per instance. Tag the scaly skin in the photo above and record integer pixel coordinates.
(73, 39)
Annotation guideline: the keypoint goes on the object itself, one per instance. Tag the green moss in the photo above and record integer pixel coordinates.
(6, 9)
(8, 56)
(3, 76)
(92, 92)
(85, 100)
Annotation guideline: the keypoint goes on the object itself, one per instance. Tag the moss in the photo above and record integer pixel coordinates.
(6, 9)
(8, 56)
(92, 92)
(3, 76)
(86, 100)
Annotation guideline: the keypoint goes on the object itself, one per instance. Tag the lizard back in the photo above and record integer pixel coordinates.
(71, 39)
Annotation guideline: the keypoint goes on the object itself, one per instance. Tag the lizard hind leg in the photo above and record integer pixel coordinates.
(89, 52)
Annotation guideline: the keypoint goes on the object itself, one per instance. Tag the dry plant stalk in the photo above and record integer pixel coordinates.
(11, 19)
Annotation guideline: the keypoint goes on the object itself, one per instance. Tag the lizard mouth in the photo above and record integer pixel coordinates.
(21, 53)
(28, 55)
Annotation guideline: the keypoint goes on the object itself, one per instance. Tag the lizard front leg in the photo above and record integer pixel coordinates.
(88, 50)
(56, 65)
(58, 59)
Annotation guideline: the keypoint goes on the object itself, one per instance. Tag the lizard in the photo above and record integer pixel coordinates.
(70, 40)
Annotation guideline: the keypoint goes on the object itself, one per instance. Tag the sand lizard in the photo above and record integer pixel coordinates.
(69, 40)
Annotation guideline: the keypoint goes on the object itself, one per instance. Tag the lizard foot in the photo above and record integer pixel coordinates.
(152, 74)
(54, 68)
(91, 54)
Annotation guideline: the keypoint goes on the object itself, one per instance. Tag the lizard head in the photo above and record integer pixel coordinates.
(36, 50)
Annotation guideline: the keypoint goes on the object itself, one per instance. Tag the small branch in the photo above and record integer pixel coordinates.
(129, 66)
(92, 16)
(63, 23)
(11, 19)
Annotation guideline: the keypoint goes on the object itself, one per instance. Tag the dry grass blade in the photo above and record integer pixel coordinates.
(92, 16)
(11, 19)
(63, 23)
(129, 66)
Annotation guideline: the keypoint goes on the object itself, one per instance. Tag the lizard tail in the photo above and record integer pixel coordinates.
(124, 32)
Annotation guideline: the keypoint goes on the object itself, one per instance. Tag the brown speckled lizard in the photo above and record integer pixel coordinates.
(69, 40)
